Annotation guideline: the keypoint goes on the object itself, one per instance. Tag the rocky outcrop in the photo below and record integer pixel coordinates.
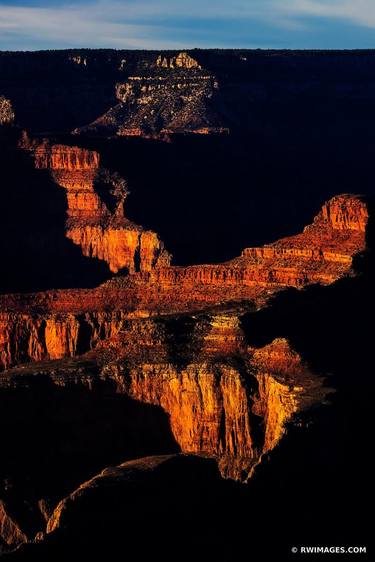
(230, 402)
(19, 518)
(63, 90)
(6, 111)
(60, 157)
(324, 250)
(100, 229)
(284, 384)
(171, 95)
(26, 338)
(208, 408)
(322, 253)
(10, 531)
(125, 475)
(182, 60)
(122, 501)
(344, 212)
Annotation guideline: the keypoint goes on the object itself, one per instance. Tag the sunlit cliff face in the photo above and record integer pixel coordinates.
(223, 399)
(100, 229)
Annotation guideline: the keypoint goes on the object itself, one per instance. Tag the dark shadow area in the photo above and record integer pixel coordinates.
(54, 438)
(302, 130)
(51, 90)
(210, 197)
(324, 474)
(177, 510)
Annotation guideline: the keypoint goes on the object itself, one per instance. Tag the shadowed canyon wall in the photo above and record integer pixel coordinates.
(166, 96)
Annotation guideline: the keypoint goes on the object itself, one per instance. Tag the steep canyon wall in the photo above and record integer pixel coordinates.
(101, 230)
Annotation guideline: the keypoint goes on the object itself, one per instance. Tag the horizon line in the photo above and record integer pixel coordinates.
(179, 49)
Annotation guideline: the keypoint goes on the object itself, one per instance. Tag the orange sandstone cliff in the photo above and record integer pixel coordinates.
(100, 228)
(223, 398)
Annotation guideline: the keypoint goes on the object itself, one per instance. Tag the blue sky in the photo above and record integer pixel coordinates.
(294, 24)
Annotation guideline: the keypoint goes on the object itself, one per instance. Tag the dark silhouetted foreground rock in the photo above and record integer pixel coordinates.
(156, 506)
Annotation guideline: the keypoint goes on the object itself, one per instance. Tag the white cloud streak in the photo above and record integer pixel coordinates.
(360, 12)
(156, 23)
(80, 25)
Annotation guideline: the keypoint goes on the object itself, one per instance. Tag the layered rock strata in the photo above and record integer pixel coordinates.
(62, 323)
(235, 411)
(222, 398)
(171, 95)
(100, 228)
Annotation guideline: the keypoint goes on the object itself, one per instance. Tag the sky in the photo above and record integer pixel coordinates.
(175, 24)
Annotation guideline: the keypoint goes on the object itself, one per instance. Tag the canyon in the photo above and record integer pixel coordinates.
(205, 404)
(187, 356)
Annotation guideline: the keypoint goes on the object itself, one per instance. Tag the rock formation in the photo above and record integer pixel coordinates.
(182, 60)
(6, 111)
(324, 250)
(122, 499)
(171, 95)
(100, 229)
(223, 399)
(232, 410)
(10, 531)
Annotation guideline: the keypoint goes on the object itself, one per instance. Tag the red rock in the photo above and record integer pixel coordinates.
(101, 233)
